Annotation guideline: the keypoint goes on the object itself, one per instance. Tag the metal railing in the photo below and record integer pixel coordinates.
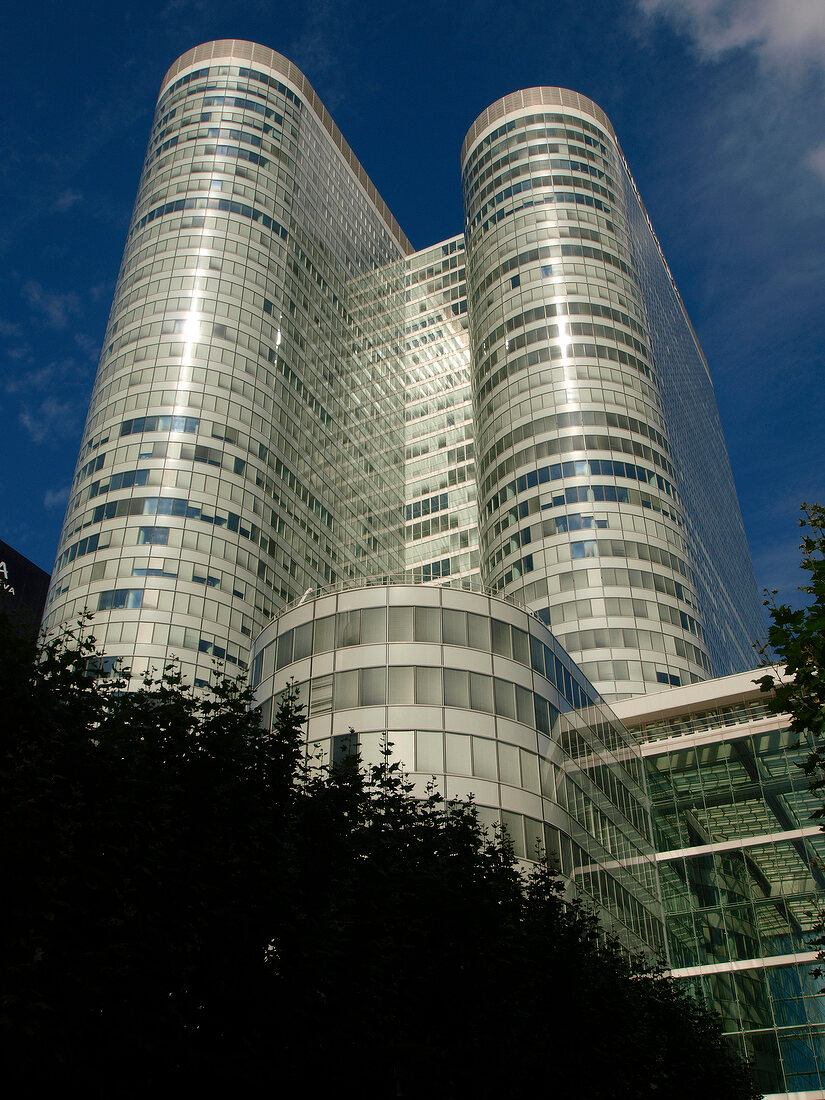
(386, 580)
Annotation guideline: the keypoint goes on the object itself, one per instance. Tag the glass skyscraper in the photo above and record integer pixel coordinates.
(290, 397)
(469, 496)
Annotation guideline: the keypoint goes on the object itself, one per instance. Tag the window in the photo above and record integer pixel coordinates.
(501, 638)
(401, 685)
(428, 686)
(504, 698)
(373, 625)
(346, 690)
(303, 641)
(284, 650)
(429, 751)
(373, 687)
(455, 628)
(401, 624)
(481, 692)
(325, 634)
(456, 688)
(484, 758)
(427, 624)
(478, 631)
(584, 549)
(348, 630)
(116, 598)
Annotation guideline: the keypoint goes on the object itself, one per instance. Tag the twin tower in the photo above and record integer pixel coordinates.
(290, 398)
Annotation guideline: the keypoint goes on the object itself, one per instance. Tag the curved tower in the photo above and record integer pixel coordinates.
(288, 397)
(582, 358)
(244, 440)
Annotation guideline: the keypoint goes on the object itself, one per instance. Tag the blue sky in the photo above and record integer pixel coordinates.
(718, 105)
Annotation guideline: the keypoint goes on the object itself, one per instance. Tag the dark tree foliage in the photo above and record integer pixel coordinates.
(796, 644)
(189, 905)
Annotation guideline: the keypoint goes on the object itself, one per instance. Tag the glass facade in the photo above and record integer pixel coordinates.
(289, 397)
(440, 502)
(477, 696)
(244, 440)
(739, 860)
(297, 419)
(585, 370)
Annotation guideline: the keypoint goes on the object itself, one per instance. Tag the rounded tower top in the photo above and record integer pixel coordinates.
(239, 50)
(533, 97)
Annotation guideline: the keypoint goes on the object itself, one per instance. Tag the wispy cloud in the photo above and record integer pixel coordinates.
(100, 290)
(816, 160)
(317, 50)
(51, 419)
(781, 32)
(88, 345)
(786, 37)
(66, 200)
(56, 498)
(55, 308)
(17, 347)
(63, 374)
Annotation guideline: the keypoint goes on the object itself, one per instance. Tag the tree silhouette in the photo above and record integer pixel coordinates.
(192, 904)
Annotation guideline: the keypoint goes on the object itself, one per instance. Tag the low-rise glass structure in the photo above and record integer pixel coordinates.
(740, 865)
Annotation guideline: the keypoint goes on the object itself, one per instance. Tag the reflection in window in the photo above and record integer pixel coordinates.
(586, 548)
(153, 536)
(284, 651)
(348, 628)
(116, 598)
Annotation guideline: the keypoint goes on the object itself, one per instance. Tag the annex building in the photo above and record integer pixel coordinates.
(470, 495)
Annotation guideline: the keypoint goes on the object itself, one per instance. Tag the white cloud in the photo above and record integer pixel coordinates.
(816, 160)
(55, 308)
(56, 376)
(781, 32)
(88, 345)
(787, 37)
(66, 200)
(56, 498)
(100, 290)
(51, 418)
